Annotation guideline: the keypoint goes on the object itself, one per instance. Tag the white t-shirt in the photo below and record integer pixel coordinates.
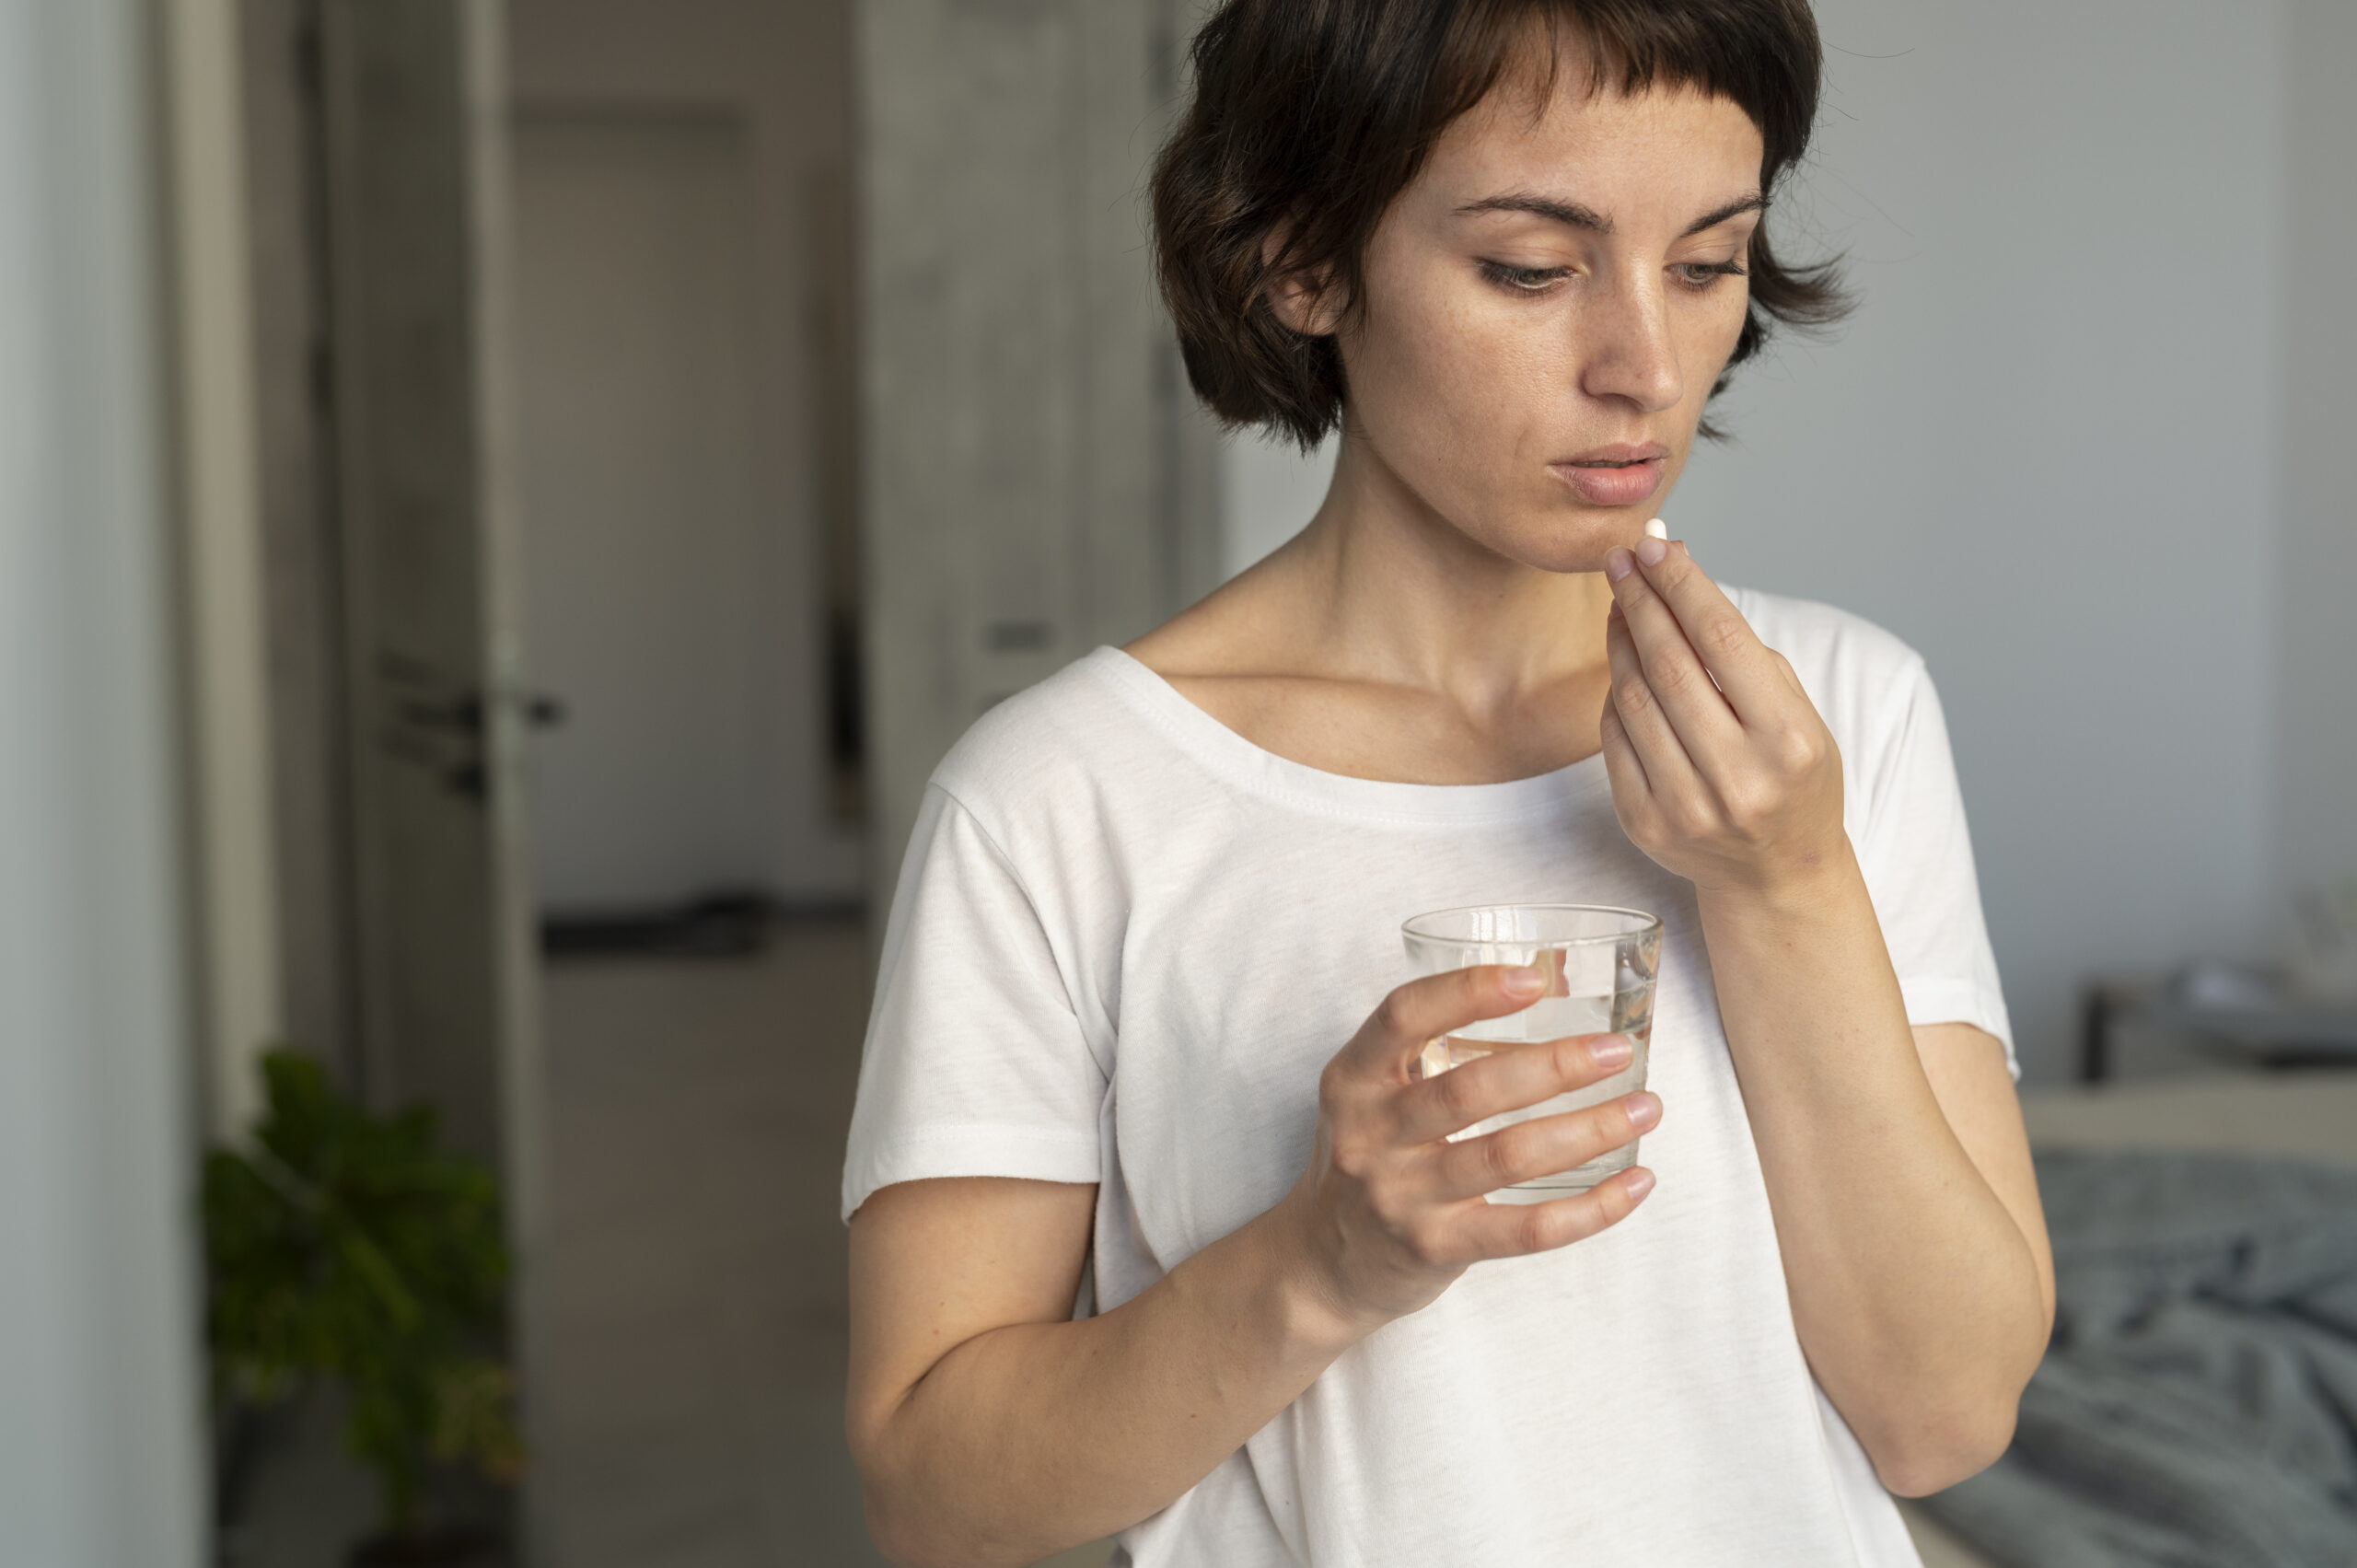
(1126, 939)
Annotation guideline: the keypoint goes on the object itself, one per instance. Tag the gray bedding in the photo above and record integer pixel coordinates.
(2197, 1406)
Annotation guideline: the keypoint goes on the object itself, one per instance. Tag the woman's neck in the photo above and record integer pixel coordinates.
(1381, 587)
(1384, 644)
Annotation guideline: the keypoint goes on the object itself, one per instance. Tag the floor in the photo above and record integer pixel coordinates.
(691, 1304)
(304, 1500)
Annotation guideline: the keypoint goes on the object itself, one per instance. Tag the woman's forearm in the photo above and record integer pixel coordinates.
(1914, 1293)
(1036, 1437)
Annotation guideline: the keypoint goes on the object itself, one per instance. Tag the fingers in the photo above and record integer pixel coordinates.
(1508, 1079)
(1669, 770)
(1672, 663)
(1514, 1230)
(1427, 1008)
(1621, 765)
(1714, 631)
(1544, 1145)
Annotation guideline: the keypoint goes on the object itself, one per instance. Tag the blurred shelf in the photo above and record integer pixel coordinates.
(2234, 1014)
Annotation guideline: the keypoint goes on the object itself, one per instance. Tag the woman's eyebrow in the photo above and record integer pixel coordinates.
(1752, 202)
(1577, 215)
(1562, 212)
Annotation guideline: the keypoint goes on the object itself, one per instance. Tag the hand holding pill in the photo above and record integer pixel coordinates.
(1721, 768)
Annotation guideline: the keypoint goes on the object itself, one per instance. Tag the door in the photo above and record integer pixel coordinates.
(669, 512)
(442, 961)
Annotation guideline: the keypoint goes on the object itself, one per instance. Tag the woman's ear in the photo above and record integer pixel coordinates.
(1303, 302)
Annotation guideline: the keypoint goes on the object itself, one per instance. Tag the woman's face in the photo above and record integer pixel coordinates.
(1546, 306)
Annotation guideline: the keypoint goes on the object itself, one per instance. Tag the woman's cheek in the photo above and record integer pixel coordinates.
(1718, 342)
(1431, 387)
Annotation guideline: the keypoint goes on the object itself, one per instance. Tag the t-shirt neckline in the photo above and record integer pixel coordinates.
(1231, 756)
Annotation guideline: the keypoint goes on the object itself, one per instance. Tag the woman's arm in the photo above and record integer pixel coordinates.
(1896, 1168)
(1914, 1249)
(989, 1429)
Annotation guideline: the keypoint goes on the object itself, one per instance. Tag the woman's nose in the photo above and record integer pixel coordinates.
(1628, 352)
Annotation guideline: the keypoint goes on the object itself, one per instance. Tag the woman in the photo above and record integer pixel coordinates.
(1511, 249)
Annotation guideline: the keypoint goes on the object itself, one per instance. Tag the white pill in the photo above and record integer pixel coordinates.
(1656, 529)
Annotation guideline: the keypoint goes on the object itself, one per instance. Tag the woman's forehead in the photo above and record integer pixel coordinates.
(1597, 136)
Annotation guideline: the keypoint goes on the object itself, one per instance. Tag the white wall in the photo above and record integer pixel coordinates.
(2045, 451)
(101, 1457)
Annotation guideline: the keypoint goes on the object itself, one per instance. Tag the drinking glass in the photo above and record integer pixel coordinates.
(1600, 962)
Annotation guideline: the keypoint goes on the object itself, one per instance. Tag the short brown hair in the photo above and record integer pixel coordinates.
(1310, 116)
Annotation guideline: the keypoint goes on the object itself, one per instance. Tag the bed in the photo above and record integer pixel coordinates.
(2309, 1115)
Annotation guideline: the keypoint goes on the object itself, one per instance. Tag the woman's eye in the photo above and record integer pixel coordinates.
(1701, 275)
(1523, 280)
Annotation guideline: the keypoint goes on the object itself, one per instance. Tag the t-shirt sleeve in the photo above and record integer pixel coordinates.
(975, 1062)
(1917, 856)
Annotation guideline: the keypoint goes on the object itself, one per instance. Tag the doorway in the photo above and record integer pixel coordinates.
(552, 341)
(673, 507)
(685, 467)
(675, 527)
(682, 380)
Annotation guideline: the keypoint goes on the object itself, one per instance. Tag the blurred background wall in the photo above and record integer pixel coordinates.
(2084, 445)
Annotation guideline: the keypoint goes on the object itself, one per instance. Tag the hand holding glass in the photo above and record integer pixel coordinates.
(1600, 964)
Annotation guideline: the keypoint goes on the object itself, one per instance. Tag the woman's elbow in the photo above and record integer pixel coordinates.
(882, 1500)
(1943, 1454)
(907, 1533)
(883, 1532)
(902, 1541)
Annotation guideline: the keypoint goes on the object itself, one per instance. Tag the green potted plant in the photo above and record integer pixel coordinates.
(347, 1248)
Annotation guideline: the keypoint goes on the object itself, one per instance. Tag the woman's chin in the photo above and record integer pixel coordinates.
(1561, 547)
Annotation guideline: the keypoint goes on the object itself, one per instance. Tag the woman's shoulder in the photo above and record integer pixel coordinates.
(1044, 745)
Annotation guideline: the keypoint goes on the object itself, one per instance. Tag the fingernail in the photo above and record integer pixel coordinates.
(1526, 981)
(1651, 551)
(1637, 1182)
(1643, 1109)
(1612, 1050)
(1617, 563)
